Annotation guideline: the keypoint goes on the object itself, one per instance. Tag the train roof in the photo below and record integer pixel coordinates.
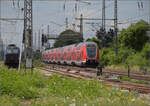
(11, 45)
(75, 45)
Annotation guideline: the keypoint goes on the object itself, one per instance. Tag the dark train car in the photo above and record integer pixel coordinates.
(11, 56)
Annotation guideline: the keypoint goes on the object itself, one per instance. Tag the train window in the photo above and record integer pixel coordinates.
(9, 51)
(78, 48)
(56, 50)
(69, 48)
(62, 49)
(90, 45)
(15, 50)
(12, 50)
(91, 50)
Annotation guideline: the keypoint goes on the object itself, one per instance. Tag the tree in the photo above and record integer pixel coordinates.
(68, 37)
(105, 37)
(134, 37)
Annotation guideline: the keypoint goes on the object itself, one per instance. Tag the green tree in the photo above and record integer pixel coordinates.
(134, 37)
(105, 37)
(68, 37)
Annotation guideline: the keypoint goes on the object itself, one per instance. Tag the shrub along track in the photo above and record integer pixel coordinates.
(87, 74)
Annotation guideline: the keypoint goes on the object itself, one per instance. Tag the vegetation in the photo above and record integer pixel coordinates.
(133, 48)
(105, 37)
(134, 81)
(68, 37)
(18, 88)
(37, 59)
(134, 37)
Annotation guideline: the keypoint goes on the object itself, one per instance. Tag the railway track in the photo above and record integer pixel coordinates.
(133, 75)
(141, 88)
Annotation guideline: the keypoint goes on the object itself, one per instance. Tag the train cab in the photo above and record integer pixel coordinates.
(92, 53)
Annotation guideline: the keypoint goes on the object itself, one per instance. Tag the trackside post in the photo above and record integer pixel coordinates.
(128, 70)
(99, 71)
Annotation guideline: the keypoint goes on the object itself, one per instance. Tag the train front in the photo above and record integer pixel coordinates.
(92, 53)
(12, 56)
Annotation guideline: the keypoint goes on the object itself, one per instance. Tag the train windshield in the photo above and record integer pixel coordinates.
(12, 51)
(91, 50)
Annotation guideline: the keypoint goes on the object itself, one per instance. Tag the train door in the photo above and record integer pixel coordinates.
(69, 55)
(78, 55)
(49, 55)
(58, 55)
(65, 55)
(61, 55)
(54, 54)
(73, 54)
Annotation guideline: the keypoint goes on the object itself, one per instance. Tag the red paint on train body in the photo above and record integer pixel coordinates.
(86, 53)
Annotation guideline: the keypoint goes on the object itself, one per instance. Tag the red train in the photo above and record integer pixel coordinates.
(82, 54)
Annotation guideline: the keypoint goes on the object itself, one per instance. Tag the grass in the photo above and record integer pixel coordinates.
(39, 90)
(38, 63)
(134, 81)
(122, 67)
(125, 78)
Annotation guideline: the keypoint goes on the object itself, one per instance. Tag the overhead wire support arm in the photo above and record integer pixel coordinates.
(7, 19)
(93, 19)
(66, 0)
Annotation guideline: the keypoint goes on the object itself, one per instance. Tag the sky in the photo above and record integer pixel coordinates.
(54, 13)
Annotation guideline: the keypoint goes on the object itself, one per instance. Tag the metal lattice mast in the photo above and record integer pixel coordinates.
(28, 29)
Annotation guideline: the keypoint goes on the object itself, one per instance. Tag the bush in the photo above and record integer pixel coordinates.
(103, 60)
(146, 51)
(7, 100)
(107, 56)
(18, 84)
(134, 37)
(140, 59)
(137, 60)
